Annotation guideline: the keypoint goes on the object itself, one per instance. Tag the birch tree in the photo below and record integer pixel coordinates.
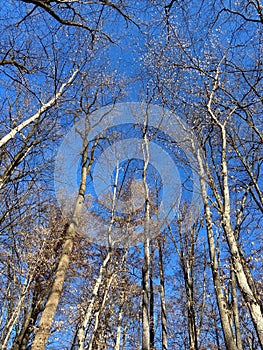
(214, 85)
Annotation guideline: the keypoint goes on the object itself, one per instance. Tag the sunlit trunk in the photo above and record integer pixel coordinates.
(48, 314)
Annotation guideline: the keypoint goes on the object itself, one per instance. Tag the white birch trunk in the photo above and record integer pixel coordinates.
(146, 265)
(97, 315)
(88, 313)
(119, 329)
(13, 319)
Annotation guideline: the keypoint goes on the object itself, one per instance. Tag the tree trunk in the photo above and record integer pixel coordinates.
(242, 272)
(235, 310)
(87, 316)
(14, 316)
(151, 306)
(22, 339)
(187, 257)
(48, 314)
(146, 265)
(162, 292)
(145, 298)
(119, 326)
(221, 300)
(54, 296)
(97, 314)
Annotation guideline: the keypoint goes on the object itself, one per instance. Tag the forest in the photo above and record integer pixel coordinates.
(131, 175)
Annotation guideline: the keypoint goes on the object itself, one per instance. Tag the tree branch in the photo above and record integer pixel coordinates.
(14, 63)
(45, 107)
(243, 16)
